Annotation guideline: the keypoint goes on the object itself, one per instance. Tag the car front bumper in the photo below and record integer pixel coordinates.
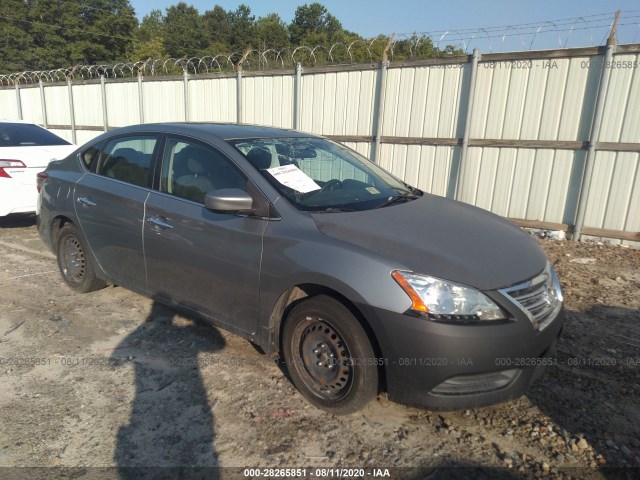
(448, 367)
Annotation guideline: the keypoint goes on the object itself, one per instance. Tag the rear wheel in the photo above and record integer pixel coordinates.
(74, 261)
(329, 356)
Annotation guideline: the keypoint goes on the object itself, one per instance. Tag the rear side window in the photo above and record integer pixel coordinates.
(27, 135)
(127, 159)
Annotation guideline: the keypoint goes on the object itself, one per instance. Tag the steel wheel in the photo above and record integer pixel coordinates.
(325, 357)
(74, 261)
(329, 356)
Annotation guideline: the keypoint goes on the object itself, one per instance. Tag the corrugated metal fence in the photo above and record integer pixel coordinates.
(509, 132)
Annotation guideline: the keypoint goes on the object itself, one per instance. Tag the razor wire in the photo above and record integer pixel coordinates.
(356, 51)
(402, 46)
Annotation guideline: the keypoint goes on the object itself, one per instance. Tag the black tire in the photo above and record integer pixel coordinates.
(328, 356)
(74, 261)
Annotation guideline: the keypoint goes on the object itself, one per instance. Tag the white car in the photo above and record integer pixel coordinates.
(25, 150)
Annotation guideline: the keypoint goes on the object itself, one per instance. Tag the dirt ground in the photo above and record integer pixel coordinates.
(109, 379)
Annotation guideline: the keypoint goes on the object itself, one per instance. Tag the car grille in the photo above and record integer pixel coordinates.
(539, 298)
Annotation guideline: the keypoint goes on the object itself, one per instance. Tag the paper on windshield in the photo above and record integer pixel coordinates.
(292, 177)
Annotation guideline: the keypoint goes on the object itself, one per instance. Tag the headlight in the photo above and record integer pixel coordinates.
(446, 301)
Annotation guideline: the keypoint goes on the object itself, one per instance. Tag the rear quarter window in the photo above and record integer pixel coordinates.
(89, 158)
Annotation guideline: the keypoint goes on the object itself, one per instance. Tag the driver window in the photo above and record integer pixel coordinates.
(191, 170)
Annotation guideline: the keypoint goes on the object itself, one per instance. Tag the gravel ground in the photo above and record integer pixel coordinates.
(110, 379)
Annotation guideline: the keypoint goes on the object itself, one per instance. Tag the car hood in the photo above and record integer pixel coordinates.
(443, 238)
(37, 156)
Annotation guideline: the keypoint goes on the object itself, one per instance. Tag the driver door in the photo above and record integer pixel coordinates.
(204, 260)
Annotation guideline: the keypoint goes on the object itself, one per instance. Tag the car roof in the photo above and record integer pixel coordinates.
(224, 131)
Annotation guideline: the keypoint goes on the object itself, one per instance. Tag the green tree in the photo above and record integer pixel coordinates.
(452, 50)
(16, 43)
(312, 25)
(217, 24)
(271, 32)
(116, 23)
(152, 26)
(47, 34)
(51, 24)
(185, 35)
(242, 27)
(419, 47)
(150, 37)
(71, 32)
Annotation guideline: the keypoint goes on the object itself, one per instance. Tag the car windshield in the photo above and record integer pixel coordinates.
(320, 175)
(27, 135)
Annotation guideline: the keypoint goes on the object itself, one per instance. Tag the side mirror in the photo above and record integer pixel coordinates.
(229, 200)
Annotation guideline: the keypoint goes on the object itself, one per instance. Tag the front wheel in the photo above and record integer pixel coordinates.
(329, 356)
(74, 261)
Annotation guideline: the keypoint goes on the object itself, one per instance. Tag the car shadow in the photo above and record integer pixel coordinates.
(594, 390)
(170, 433)
(18, 220)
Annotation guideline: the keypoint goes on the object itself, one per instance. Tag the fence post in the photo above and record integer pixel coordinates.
(467, 124)
(239, 86)
(378, 106)
(103, 91)
(140, 98)
(185, 83)
(378, 109)
(296, 96)
(594, 135)
(72, 111)
(18, 101)
(43, 105)
(239, 97)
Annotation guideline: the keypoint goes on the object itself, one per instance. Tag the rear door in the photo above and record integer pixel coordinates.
(109, 204)
(205, 260)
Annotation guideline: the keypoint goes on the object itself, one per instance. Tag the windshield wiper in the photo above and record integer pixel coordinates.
(334, 210)
(404, 197)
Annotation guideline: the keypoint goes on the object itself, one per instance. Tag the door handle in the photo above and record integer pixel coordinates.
(86, 201)
(158, 223)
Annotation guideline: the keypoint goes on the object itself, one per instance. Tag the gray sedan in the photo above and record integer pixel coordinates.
(358, 281)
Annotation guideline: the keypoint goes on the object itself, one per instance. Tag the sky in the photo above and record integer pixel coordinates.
(463, 19)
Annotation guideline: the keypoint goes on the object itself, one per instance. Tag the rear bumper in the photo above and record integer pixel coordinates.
(16, 197)
(448, 367)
